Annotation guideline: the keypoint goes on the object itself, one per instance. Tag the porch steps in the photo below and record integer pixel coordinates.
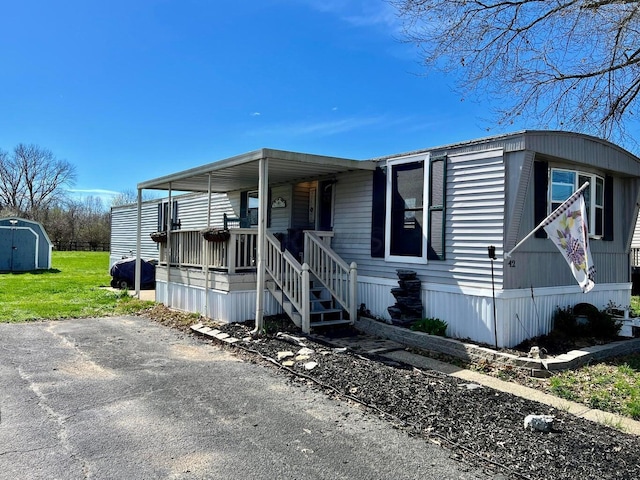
(322, 308)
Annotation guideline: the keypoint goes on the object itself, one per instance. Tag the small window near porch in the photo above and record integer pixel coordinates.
(252, 207)
(163, 216)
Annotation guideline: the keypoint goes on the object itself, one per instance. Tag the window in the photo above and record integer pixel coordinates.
(415, 210)
(163, 216)
(249, 204)
(252, 207)
(407, 212)
(565, 182)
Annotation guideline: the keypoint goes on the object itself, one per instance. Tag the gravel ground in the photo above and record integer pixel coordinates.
(481, 427)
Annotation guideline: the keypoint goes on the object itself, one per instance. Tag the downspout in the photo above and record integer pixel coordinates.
(138, 273)
(263, 183)
(169, 221)
(206, 255)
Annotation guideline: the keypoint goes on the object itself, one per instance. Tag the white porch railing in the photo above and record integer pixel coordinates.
(291, 277)
(190, 249)
(333, 272)
(635, 257)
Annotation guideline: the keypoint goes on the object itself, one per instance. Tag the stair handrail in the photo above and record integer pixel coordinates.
(291, 277)
(338, 277)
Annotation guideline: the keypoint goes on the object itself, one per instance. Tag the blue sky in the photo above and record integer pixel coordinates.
(129, 90)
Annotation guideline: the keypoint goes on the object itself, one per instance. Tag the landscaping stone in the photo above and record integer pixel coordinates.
(408, 307)
(541, 423)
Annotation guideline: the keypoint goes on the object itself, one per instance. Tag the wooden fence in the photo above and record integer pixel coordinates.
(81, 246)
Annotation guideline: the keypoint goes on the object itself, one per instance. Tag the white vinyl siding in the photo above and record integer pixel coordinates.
(475, 198)
(192, 213)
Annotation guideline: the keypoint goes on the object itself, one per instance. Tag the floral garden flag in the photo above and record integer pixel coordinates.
(567, 228)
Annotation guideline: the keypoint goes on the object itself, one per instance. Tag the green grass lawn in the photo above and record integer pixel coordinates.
(612, 385)
(70, 289)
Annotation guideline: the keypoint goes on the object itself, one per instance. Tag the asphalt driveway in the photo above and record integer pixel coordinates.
(125, 398)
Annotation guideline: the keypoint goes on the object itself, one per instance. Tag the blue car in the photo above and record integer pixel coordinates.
(124, 277)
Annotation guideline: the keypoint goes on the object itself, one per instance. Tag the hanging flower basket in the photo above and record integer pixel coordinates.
(215, 234)
(159, 237)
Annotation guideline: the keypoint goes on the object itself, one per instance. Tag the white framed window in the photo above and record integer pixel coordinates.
(164, 220)
(406, 211)
(563, 182)
(252, 207)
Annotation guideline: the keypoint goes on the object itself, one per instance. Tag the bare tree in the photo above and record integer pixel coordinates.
(95, 225)
(127, 197)
(32, 179)
(566, 63)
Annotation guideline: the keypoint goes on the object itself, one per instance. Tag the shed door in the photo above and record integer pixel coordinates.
(18, 250)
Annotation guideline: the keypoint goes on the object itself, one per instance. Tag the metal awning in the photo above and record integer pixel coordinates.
(242, 172)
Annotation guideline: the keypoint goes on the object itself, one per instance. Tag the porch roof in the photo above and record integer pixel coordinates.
(242, 172)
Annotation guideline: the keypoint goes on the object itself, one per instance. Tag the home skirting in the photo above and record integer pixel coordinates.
(469, 311)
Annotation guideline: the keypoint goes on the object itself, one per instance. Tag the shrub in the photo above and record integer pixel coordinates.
(432, 326)
(600, 323)
(565, 321)
(603, 325)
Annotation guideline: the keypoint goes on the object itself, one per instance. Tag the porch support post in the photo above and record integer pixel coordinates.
(138, 272)
(205, 254)
(263, 184)
(353, 292)
(305, 323)
(168, 249)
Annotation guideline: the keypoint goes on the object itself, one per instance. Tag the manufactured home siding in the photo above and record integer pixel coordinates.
(352, 221)
(123, 231)
(538, 263)
(635, 242)
(281, 217)
(192, 213)
(192, 210)
(474, 220)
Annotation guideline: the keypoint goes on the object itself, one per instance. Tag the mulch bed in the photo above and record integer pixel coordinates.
(480, 426)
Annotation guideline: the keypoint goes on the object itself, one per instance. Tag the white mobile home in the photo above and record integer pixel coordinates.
(320, 236)
(188, 211)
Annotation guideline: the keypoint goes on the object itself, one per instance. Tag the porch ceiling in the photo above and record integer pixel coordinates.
(241, 172)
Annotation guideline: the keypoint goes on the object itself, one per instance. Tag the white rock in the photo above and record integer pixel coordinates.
(471, 386)
(542, 423)
(310, 365)
(306, 351)
(286, 354)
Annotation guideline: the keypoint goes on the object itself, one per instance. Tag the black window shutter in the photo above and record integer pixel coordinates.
(174, 216)
(437, 200)
(540, 185)
(160, 222)
(269, 209)
(244, 214)
(378, 213)
(608, 208)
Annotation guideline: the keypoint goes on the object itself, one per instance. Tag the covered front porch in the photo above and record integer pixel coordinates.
(272, 255)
